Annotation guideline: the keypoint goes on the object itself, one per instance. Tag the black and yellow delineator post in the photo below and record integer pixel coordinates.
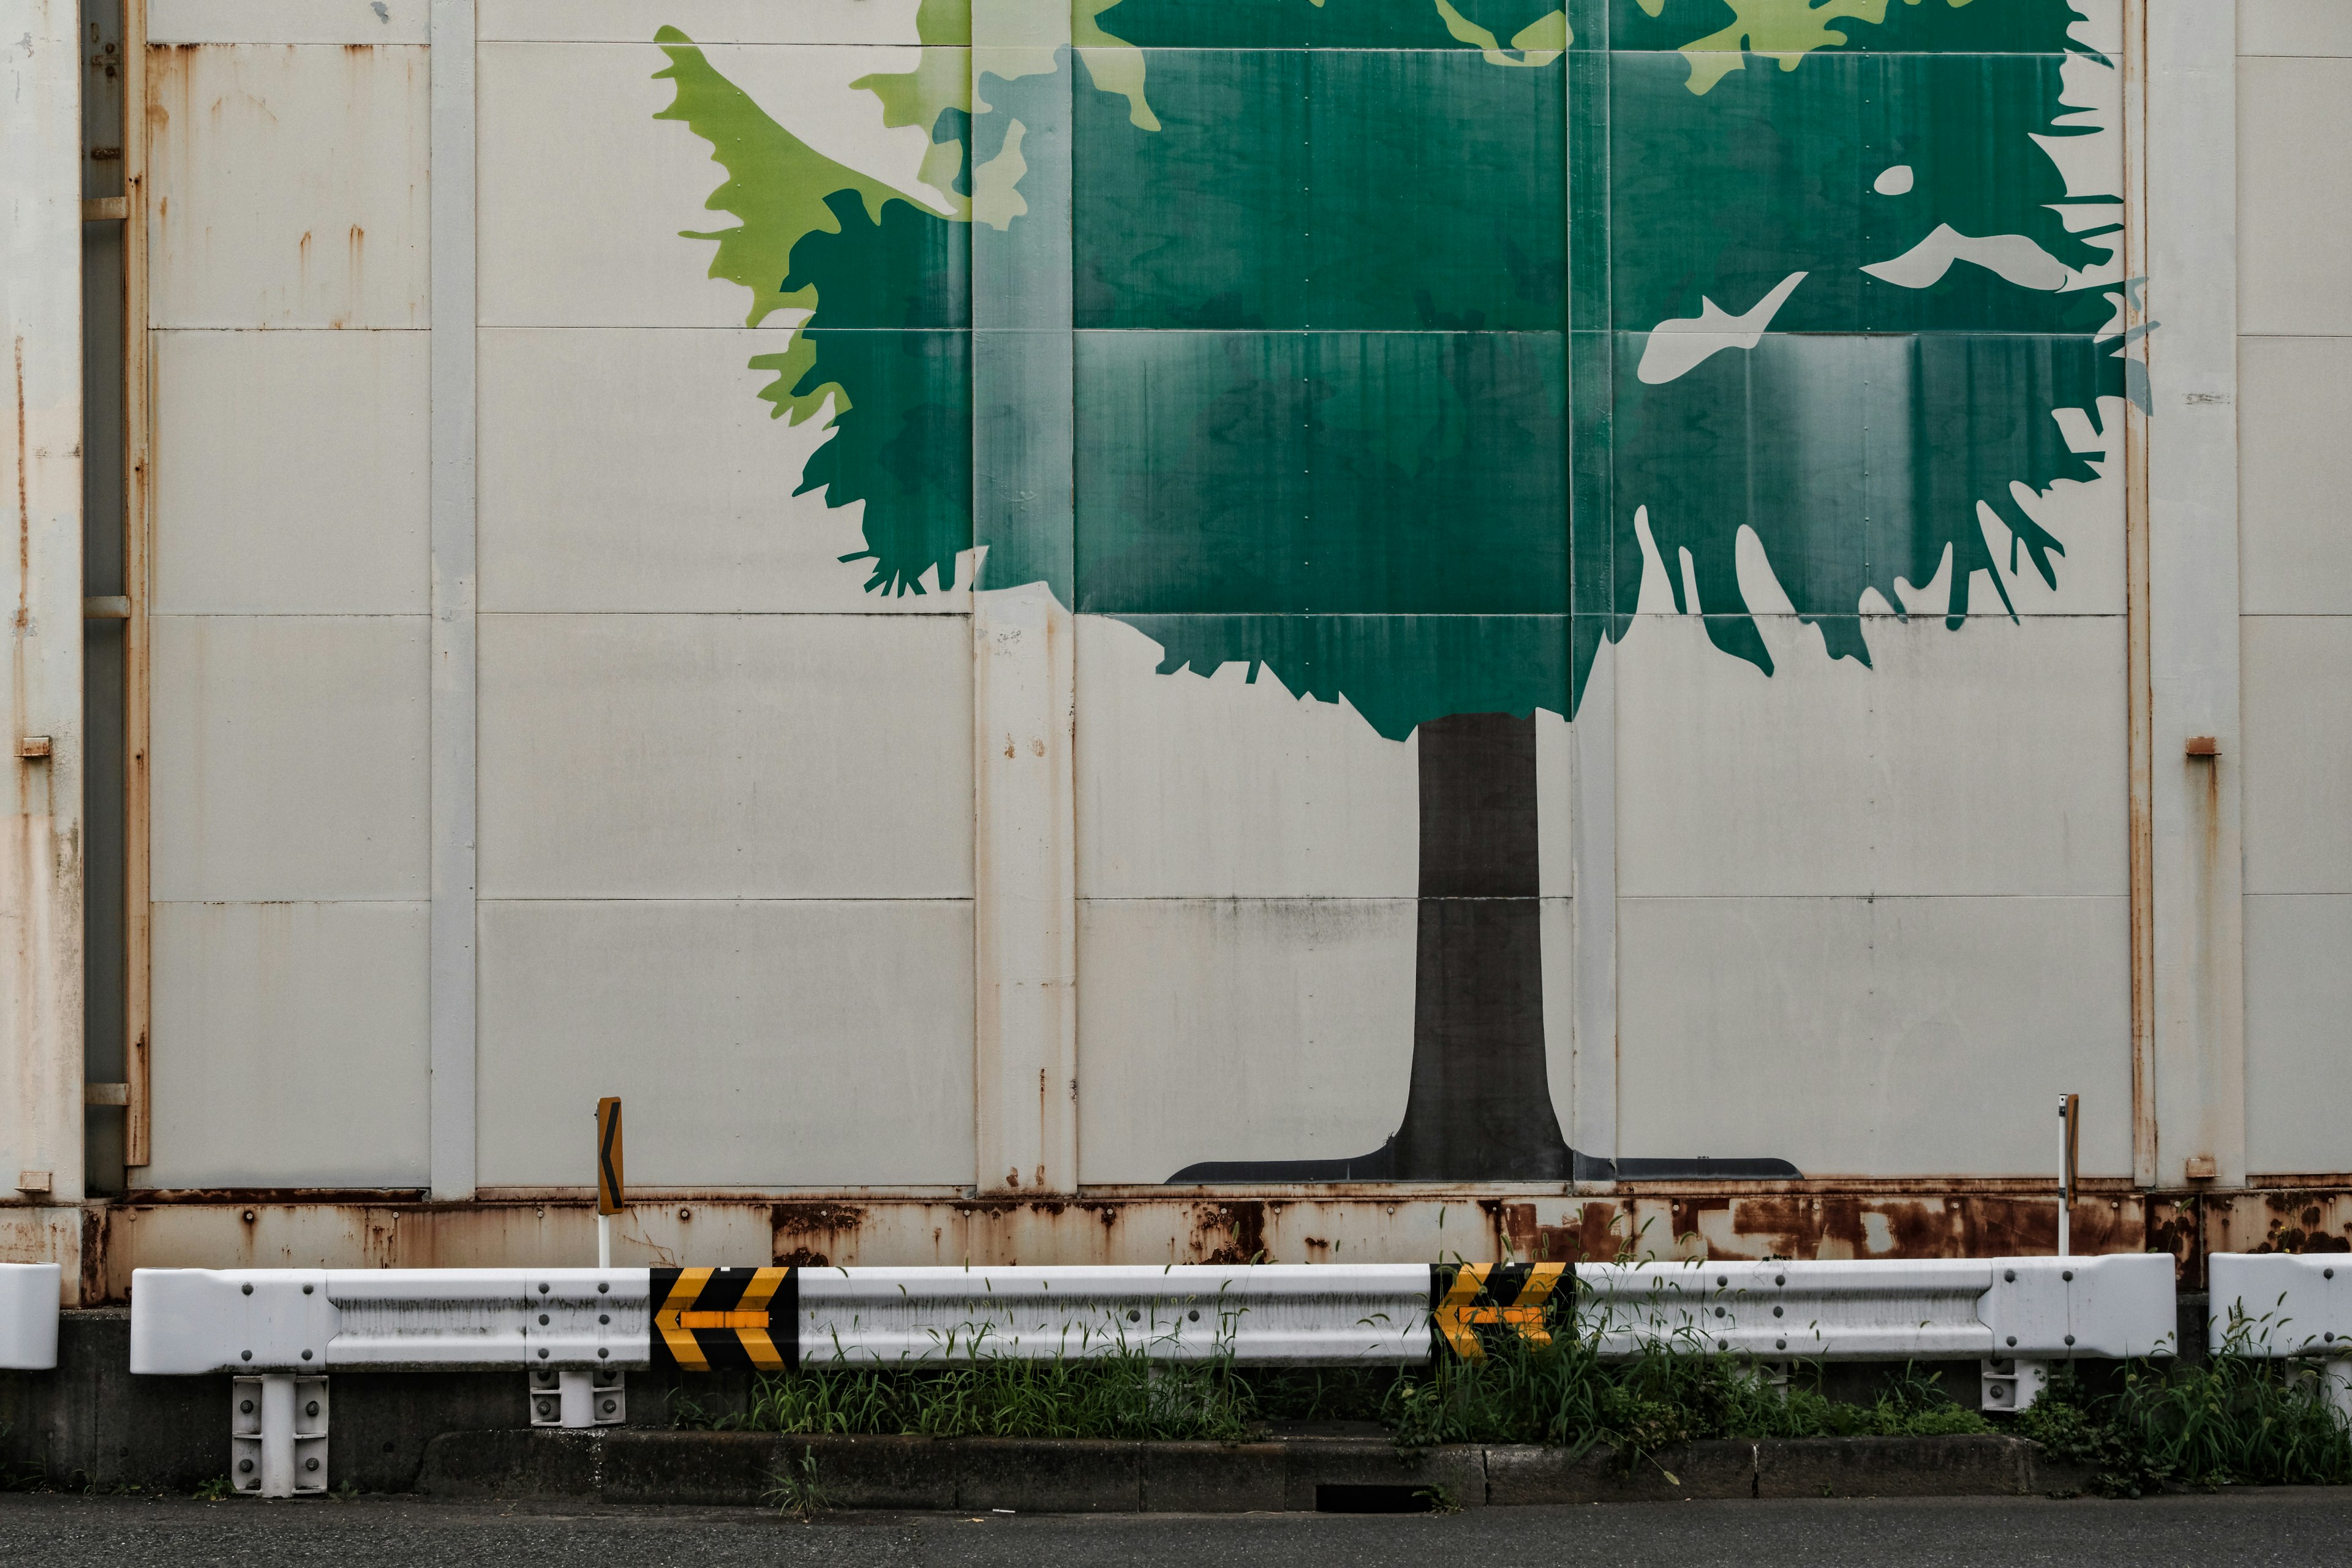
(707, 1318)
(608, 1156)
(1467, 1297)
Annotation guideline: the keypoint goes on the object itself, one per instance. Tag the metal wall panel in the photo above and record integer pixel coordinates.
(756, 1044)
(289, 757)
(726, 756)
(285, 22)
(585, 193)
(291, 1045)
(2294, 27)
(1880, 1035)
(289, 473)
(287, 186)
(2295, 375)
(633, 470)
(1984, 762)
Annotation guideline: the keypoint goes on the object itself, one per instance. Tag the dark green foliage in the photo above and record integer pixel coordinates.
(890, 299)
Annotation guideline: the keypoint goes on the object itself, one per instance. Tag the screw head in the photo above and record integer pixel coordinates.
(543, 1290)
(1721, 1313)
(1723, 1344)
(310, 1464)
(2070, 1339)
(547, 1408)
(601, 1354)
(1194, 1314)
(245, 1466)
(306, 1355)
(1779, 1280)
(2010, 1275)
(1777, 1311)
(246, 1355)
(311, 1409)
(248, 1288)
(603, 1317)
(686, 1214)
(2067, 1275)
(1133, 1316)
(602, 1288)
(543, 1355)
(2329, 1338)
(2013, 1340)
(542, 1319)
(609, 1407)
(245, 1406)
(1779, 1344)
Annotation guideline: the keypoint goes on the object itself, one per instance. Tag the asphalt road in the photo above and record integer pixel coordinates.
(2219, 1531)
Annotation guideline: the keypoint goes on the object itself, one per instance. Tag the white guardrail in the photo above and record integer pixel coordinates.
(577, 1331)
(29, 1316)
(2279, 1305)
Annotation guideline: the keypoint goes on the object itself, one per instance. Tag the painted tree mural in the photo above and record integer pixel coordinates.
(1403, 326)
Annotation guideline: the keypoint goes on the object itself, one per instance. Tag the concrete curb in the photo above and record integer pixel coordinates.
(1300, 1474)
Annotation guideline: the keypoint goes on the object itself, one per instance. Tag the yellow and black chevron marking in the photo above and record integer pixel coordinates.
(706, 1318)
(1467, 1297)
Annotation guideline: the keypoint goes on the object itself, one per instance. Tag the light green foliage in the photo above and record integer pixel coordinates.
(1782, 30)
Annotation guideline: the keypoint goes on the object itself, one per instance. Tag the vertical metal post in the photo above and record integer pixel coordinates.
(576, 1394)
(1024, 830)
(138, 1117)
(453, 770)
(2139, 778)
(277, 1434)
(2192, 518)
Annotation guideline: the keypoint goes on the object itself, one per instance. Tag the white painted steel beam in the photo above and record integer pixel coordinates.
(2036, 1309)
(2044, 1309)
(41, 476)
(1284, 1313)
(29, 1316)
(2280, 1304)
(189, 1320)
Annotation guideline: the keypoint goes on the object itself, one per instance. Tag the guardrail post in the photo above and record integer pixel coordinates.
(278, 1442)
(2012, 1385)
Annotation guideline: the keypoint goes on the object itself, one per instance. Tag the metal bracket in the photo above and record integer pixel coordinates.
(278, 1435)
(579, 1397)
(2012, 1386)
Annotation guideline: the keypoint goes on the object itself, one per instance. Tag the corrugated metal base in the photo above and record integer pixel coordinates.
(101, 1243)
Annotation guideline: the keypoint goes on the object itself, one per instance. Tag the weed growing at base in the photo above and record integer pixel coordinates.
(2230, 1421)
(1565, 1396)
